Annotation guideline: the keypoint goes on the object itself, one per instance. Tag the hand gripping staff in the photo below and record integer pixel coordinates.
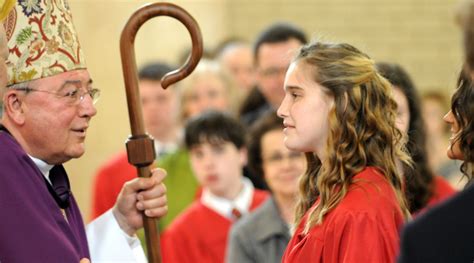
(140, 146)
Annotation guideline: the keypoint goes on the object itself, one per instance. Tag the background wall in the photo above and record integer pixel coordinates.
(420, 35)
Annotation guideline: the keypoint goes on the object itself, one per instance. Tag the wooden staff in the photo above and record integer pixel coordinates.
(140, 146)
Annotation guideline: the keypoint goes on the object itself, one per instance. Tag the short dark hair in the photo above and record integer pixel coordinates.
(214, 127)
(154, 71)
(278, 32)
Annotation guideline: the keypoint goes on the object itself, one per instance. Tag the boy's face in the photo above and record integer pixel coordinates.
(218, 167)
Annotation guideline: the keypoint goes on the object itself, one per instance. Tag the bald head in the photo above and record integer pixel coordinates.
(238, 60)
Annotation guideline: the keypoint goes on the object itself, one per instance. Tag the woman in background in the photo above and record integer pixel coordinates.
(445, 233)
(263, 235)
(423, 188)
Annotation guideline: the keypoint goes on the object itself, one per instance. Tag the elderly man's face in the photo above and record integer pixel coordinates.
(55, 128)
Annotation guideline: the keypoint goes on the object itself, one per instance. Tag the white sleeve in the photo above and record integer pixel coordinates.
(108, 243)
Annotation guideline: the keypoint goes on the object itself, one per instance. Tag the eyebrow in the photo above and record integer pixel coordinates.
(74, 82)
(293, 88)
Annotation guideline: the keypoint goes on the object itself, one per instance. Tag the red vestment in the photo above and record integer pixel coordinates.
(363, 227)
(109, 182)
(199, 234)
(442, 190)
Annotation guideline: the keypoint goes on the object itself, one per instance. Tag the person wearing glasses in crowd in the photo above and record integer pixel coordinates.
(263, 235)
(272, 53)
(48, 103)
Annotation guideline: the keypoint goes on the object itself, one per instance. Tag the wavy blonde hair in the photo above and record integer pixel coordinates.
(362, 129)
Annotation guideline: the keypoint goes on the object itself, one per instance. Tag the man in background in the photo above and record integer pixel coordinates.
(160, 114)
(272, 53)
(236, 57)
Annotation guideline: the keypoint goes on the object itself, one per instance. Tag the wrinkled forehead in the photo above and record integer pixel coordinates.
(80, 77)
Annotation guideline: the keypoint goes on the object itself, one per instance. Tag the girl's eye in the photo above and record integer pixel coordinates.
(294, 95)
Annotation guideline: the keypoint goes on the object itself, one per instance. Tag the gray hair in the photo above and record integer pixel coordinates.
(3, 90)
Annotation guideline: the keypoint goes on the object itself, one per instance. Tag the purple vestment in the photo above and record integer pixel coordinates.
(32, 226)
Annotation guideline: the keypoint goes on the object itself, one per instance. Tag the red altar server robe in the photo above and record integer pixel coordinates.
(363, 227)
(200, 234)
(442, 191)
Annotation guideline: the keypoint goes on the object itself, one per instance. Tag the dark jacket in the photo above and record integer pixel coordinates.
(443, 234)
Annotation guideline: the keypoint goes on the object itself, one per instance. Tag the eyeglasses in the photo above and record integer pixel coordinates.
(278, 158)
(73, 95)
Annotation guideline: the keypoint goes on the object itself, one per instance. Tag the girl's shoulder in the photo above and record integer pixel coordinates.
(369, 192)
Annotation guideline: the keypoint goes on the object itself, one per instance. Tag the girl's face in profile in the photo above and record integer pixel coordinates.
(454, 149)
(305, 110)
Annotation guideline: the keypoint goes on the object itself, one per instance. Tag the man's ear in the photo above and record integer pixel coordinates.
(13, 106)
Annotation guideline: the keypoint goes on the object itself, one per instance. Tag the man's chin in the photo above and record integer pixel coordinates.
(76, 153)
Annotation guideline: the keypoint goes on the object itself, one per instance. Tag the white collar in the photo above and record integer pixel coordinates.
(167, 148)
(43, 167)
(224, 207)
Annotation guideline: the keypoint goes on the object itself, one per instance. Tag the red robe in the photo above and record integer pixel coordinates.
(363, 227)
(199, 234)
(442, 191)
(109, 182)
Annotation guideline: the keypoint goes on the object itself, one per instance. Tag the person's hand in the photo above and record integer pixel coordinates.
(138, 195)
(85, 260)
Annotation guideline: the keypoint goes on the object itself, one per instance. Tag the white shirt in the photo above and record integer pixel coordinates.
(224, 207)
(162, 149)
(108, 243)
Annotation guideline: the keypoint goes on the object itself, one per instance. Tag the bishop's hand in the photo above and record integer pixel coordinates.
(138, 195)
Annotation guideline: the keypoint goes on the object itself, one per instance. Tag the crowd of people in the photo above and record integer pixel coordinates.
(272, 150)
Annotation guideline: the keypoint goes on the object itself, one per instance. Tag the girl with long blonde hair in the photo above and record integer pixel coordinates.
(339, 111)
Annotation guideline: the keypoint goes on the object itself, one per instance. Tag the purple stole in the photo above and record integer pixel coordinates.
(32, 225)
